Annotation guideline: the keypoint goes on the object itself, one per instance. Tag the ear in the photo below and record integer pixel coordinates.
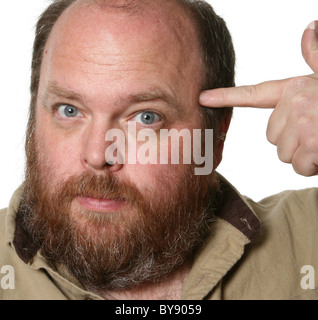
(219, 141)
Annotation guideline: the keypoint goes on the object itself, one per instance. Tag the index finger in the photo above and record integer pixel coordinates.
(263, 95)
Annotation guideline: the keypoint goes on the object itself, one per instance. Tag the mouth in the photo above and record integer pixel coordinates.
(101, 205)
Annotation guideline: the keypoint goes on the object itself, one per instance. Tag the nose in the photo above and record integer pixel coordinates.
(93, 155)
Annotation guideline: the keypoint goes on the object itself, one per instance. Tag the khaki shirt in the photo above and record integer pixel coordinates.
(254, 251)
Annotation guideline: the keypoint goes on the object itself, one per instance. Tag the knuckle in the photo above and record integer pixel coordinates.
(302, 93)
(302, 169)
(272, 138)
(310, 143)
(299, 83)
(285, 151)
(284, 157)
(251, 91)
(301, 101)
(272, 131)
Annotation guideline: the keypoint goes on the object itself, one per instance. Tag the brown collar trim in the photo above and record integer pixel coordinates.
(23, 242)
(235, 211)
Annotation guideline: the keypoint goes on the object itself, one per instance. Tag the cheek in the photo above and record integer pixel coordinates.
(153, 179)
(150, 173)
(58, 157)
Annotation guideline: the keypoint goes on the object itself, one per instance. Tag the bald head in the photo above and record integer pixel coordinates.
(144, 26)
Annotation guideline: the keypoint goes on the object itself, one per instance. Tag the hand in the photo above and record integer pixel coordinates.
(293, 125)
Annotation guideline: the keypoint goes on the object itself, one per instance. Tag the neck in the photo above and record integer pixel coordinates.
(169, 289)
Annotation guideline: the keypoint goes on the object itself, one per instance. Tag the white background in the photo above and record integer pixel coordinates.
(267, 37)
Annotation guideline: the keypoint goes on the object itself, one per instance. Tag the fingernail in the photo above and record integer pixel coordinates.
(313, 26)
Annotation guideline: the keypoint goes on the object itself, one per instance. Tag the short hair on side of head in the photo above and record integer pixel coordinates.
(43, 30)
(215, 44)
(218, 57)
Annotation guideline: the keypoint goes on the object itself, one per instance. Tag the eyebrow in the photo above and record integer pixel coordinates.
(154, 94)
(54, 89)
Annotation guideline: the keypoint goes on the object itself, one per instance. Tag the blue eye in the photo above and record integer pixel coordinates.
(67, 111)
(147, 117)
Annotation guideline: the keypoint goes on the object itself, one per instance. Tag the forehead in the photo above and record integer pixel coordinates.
(142, 28)
(111, 43)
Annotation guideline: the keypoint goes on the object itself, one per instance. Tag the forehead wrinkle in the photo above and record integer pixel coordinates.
(117, 62)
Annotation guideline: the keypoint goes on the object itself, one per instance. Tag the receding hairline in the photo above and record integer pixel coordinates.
(183, 27)
(133, 6)
(139, 8)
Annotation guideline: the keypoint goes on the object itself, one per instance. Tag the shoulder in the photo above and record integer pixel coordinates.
(287, 242)
(289, 218)
(3, 213)
(299, 205)
(7, 253)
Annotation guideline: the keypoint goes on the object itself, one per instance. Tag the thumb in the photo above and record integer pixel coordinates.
(309, 45)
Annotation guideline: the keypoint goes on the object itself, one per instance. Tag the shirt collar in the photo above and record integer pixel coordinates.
(10, 221)
(236, 226)
(235, 209)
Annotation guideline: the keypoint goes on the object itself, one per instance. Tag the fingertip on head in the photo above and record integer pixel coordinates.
(206, 98)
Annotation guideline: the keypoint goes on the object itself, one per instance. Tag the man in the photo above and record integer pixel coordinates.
(86, 227)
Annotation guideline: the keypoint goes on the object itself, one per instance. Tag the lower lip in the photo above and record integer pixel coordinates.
(100, 205)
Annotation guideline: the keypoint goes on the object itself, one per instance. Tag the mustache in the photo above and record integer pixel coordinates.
(102, 186)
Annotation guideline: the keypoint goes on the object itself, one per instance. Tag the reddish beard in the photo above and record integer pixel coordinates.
(155, 233)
